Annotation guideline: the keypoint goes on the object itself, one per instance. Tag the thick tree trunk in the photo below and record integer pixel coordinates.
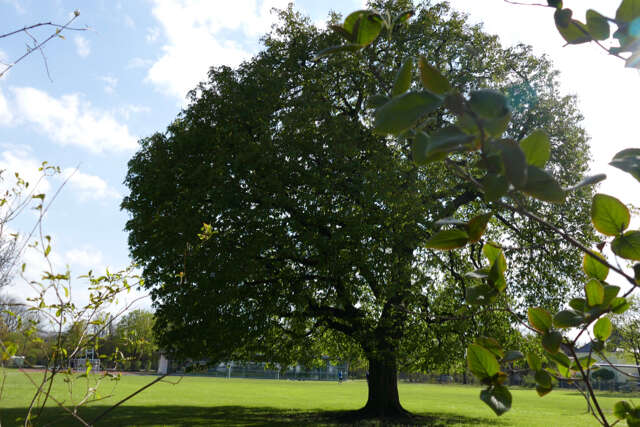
(383, 398)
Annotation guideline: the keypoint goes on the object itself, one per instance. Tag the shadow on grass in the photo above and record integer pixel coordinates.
(228, 416)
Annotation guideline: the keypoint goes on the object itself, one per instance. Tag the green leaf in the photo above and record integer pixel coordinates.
(567, 319)
(543, 391)
(603, 329)
(555, 3)
(551, 341)
(404, 111)
(493, 252)
(448, 239)
(536, 148)
(489, 104)
(496, 278)
(587, 181)
(515, 163)
(610, 292)
(621, 409)
(377, 101)
(364, 25)
(481, 294)
(597, 25)
(419, 148)
(512, 356)
(609, 215)
(342, 32)
(578, 304)
(594, 292)
(629, 161)
(431, 78)
(495, 186)
(535, 363)
(619, 305)
(482, 363)
(574, 32)
(594, 268)
(335, 49)
(627, 246)
(447, 140)
(492, 345)
(497, 398)
(628, 11)
(477, 226)
(541, 185)
(560, 359)
(539, 319)
(47, 250)
(543, 379)
(497, 127)
(403, 79)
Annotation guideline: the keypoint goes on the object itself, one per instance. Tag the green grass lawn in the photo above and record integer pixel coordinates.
(200, 401)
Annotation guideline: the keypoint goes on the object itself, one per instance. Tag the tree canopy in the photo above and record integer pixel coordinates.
(316, 226)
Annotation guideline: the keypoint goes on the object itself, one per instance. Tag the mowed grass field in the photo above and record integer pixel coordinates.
(201, 401)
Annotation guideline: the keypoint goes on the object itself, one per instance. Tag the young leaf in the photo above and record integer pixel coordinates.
(610, 292)
(481, 362)
(541, 185)
(609, 215)
(448, 239)
(627, 246)
(534, 361)
(543, 379)
(489, 104)
(539, 319)
(603, 329)
(431, 78)
(621, 409)
(536, 148)
(403, 78)
(447, 140)
(495, 186)
(492, 345)
(515, 162)
(619, 305)
(497, 398)
(629, 161)
(594, 268)
(551, 341)
(493, 252)
(628, 11)
(335, 49)
(477, 227)
(567, 319)
(597, 25)
(574, 32)
(419, 148)
(403, 111)
(594, 292)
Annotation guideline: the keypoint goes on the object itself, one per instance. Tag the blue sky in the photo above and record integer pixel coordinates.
(127, 75)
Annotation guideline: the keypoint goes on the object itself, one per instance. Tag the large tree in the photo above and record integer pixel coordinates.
(316, 226)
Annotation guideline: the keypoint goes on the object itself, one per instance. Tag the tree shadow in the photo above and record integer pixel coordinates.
(184, 416)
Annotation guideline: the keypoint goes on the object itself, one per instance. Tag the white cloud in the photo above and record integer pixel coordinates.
(139, 63)
(82, 46)
(69, 120)
(110, 83)
(89, 187)
(129, 22)
(20, 160)
(195, 33)
(6, 116)
(128, 110)
(152, 34)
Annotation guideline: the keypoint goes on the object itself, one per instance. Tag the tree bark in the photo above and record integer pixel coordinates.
(383, 400)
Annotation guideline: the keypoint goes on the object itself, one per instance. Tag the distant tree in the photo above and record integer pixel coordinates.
(135, 337)
(315, 223)
(626, 332)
